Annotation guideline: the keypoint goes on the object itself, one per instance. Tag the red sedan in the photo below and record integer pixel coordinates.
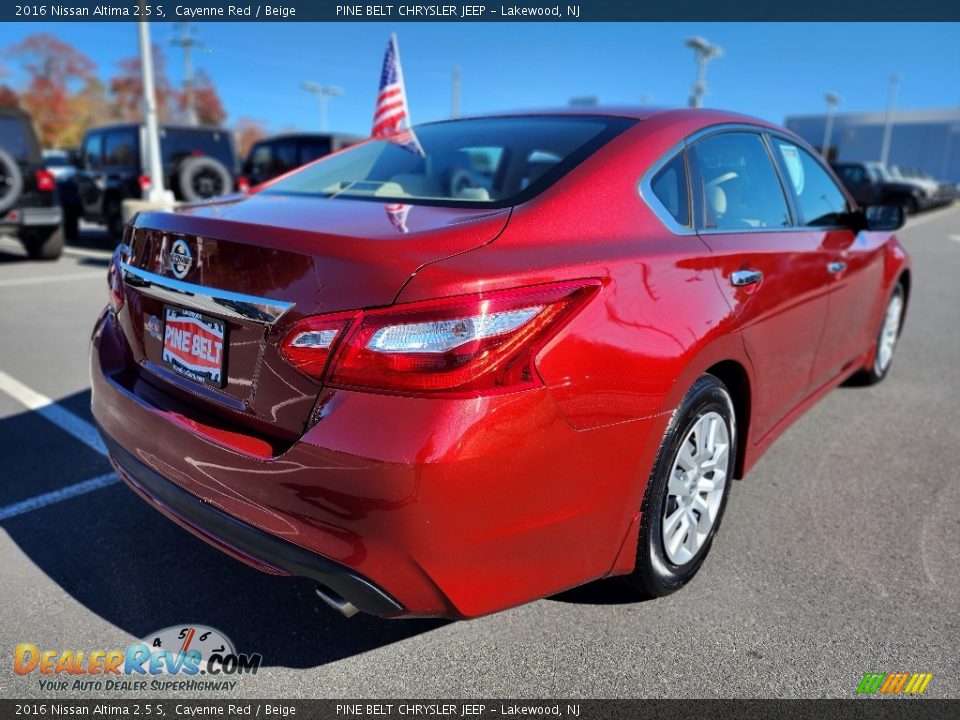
(516, 355)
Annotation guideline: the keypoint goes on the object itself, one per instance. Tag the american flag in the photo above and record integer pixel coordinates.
(397, 215)
(391, 119)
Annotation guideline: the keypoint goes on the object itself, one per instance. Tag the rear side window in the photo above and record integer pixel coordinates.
(819, 200)
(852, 174)
(120, 148)
(670, 187)
(739, 186)
(14, 138)
(91, 151)
(179, 143)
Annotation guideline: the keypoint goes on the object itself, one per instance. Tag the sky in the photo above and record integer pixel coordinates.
(768, 70)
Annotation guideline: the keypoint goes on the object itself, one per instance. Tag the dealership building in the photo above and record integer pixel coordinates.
(924, 139)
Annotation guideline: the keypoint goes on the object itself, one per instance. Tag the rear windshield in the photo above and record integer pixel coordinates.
(491, 162)
(177, 144)
(14, 137)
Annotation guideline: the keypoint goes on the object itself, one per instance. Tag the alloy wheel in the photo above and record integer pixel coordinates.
(695, 488)
(889, 333)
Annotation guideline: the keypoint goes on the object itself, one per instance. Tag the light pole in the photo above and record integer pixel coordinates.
(888, 119)
(157, 193)
(705, 52)
(455, 92)
(832, 101)
(187, 42)
(323, 93)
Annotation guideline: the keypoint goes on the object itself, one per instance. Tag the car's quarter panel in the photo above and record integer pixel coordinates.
(416, 494)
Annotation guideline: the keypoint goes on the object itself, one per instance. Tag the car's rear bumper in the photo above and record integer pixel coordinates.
(402, 506)
(31, 217)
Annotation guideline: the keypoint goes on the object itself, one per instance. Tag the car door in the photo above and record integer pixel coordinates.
(772, 273)
(854, 262)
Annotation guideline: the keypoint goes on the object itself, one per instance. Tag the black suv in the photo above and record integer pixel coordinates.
(198, 163)
(282, 153)
(29, 203)
(871, 183)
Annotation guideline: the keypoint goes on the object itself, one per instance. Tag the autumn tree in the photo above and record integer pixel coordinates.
(126, 89)
(206, 100)
(55, 69)
(8, 98)
(248, 130)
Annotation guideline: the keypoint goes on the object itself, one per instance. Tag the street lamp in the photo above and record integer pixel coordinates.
(705, 52)
(323, 93)
(832, 101)
(888, 119)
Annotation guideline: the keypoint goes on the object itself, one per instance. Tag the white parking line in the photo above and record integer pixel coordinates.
(83, 252)
(38, 280)
(51, 498)
(52, 412)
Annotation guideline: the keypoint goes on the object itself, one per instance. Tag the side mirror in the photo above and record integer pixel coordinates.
(884, 217)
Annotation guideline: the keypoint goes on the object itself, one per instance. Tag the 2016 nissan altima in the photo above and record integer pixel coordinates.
(504, 358)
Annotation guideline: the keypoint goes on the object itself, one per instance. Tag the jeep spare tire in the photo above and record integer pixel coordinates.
(11, 181)
(202, 178)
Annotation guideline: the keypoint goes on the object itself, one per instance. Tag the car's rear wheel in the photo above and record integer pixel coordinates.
(43, 243)
(11, 181)
(887, 338)
(687, 491)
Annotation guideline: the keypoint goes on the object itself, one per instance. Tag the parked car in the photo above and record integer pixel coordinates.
(61, 162)
(942, 192)
(29, 203)
(282, 153)
(436, 397)
(199, 163)
(872, 183)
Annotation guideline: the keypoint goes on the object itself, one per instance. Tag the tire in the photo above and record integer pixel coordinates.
(909, 204)
(71, 223)
(201, 178)
(668, 561)
(113, 217)
(43, 243)
(11, 181)
(890, 326)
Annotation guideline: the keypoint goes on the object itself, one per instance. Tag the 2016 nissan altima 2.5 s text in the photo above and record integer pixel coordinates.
(494, 359)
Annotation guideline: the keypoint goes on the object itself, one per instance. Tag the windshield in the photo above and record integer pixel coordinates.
(490, 162)
(879, 171)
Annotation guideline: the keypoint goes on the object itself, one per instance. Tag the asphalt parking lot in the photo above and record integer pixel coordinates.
(837, 555)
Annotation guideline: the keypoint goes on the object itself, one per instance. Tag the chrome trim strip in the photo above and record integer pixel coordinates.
(224, 303)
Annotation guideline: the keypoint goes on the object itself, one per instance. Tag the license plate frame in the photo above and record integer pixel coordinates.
(190, 346)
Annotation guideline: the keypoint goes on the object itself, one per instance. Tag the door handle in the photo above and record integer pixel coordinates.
(745, 277)
(836, 267)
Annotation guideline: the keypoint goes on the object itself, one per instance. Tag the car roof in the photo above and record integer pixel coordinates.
(636, 112)
(306, 136)
(162, 126)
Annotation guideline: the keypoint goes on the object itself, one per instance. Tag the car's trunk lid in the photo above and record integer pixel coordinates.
(255, 267)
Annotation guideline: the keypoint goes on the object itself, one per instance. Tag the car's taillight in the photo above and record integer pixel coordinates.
(115, 279)
(308, 344)
(145, 184)
(45, 181)
(466, 345)
(243, 184)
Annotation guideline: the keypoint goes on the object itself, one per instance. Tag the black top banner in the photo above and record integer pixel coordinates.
(479, 11)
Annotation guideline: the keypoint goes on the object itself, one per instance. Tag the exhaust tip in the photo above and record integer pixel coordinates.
(345, 607)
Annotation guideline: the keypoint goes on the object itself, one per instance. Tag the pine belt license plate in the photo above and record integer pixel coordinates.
(193, 345)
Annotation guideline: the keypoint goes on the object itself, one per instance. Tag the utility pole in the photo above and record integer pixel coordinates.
(455, 92)
(832, 101)
(705, 53)
(187, 42)
(888, 119)
(157, 193)
(323, 93)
